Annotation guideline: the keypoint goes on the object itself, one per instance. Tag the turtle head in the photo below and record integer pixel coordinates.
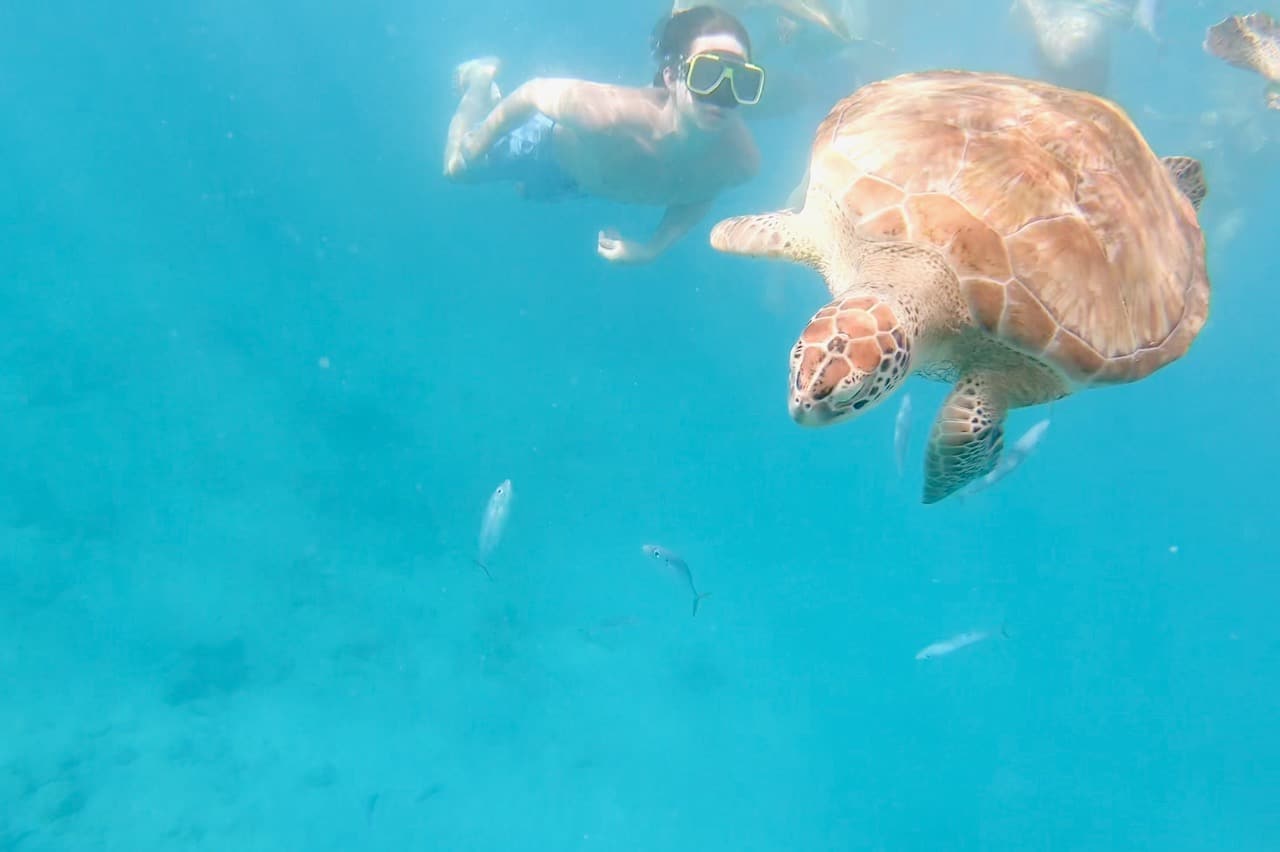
(851, 356)
(855, 351)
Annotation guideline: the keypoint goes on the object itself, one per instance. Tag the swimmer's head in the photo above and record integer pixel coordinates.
(674, 37)
(685, 34)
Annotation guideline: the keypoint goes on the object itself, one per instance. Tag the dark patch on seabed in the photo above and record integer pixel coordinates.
(206, 671)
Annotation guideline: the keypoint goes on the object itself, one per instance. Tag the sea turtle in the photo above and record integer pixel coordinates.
(1251, 42)
(1015, 239)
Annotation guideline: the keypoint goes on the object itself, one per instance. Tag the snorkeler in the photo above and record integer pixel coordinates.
(677, 144)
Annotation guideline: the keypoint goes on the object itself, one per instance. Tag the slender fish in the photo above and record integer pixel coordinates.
(955, 643)
(1013, 456)
(495, 521)
(677, 566)
(902, 432)
(1145, 13)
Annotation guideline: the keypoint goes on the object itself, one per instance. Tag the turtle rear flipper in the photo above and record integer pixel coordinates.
(1251, 42)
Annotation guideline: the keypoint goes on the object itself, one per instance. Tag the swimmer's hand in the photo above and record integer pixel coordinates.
(613, 248)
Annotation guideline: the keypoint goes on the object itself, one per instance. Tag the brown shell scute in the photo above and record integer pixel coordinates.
(1068, 236)
(1061, 264)
(1008, 180)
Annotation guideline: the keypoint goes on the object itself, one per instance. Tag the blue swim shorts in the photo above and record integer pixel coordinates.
(526, 157)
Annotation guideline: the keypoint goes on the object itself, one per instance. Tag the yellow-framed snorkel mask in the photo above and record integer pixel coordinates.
(705, 74)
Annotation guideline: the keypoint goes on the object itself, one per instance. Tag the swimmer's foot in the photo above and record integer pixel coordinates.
(475, 73)
(473, 81)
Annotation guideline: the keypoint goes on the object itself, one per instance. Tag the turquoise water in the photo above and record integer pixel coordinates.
(262, 367)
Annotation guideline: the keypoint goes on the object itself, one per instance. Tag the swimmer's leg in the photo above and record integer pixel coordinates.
(477, 95)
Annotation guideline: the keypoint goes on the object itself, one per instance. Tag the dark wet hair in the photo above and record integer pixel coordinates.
(673, 36)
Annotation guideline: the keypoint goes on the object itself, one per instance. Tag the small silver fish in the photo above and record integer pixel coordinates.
(1013, 456)
(677, 566)
(902, 432)
(495, 521)
(955, 643)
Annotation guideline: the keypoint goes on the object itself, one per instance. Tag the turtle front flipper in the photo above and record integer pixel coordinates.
(967, 437)
(778, 236)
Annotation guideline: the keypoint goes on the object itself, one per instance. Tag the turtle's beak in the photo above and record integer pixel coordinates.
(810, 412)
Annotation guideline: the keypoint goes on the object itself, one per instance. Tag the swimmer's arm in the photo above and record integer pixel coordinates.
(676, 222)
(576, 104)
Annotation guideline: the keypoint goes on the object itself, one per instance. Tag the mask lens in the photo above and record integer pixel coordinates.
(748, 82)
(705, 73)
